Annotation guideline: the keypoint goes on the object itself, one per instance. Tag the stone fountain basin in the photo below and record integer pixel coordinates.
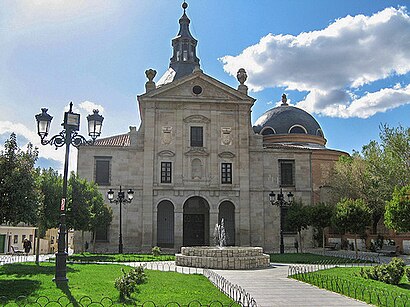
(225, 258)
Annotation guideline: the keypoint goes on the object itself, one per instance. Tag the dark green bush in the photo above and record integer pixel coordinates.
(127, 283)
(390, 273)
(156, 251)
(408, 273)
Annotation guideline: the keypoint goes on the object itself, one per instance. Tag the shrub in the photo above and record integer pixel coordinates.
(127, 283)
(156, 251)
(408, 273)
(388, 273)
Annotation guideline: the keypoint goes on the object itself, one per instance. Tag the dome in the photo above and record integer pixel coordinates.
(292, 121)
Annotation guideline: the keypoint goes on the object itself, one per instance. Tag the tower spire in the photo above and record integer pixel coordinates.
(184, 59)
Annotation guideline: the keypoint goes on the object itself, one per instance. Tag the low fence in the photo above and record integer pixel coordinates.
(235, 292)
(5, 259)
(361, 256)
(359, 291)
(86, 301)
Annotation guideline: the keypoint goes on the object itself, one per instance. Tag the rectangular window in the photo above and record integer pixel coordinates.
(31, 238)
(102, 171)
(16, 239)
(22, 238)
(287, 173)
(101, 234)
(197, 137)
(166, 172)
(226, 173)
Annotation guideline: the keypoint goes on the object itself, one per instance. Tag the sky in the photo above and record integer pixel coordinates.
(346, 62)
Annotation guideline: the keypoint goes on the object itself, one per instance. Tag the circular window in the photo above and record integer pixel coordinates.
(197, 90)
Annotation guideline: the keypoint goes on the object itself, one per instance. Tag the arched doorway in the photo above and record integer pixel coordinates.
(227, 212)
(165, 224)
(196, 222)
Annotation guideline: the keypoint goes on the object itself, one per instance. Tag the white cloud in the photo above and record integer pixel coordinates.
(89, 107)
(333, 62)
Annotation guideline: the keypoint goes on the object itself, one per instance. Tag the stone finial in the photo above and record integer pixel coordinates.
(150, 74)
(284, 100)
(242, 76)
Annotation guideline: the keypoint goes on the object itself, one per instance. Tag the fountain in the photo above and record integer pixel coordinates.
(222, 256)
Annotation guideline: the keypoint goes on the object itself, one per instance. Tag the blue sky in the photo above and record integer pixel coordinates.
(346, 62)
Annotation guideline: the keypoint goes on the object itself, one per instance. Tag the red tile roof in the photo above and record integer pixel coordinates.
(121, 140)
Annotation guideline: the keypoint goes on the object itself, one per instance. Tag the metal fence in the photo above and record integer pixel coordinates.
(235, 292)
(5, 259)
(86, 301)
(361, 256)
(359, 291)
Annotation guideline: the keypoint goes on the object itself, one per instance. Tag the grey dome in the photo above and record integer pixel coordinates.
(287, 119)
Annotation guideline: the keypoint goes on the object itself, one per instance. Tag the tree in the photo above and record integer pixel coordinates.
(320, 217)
(397, 215)
(352, 216)
(374, 173)
(296, 219)
(50, 185)
(18, 195)
(86, 210)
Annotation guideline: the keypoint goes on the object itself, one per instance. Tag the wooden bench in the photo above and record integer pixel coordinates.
(331, 245)
(16, 250)
(388, 250)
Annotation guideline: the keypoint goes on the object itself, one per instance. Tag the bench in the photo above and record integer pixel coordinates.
(331, 245)
(16, 250)
(388, 250)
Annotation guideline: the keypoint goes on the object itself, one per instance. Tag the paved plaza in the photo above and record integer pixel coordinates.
(269, 287)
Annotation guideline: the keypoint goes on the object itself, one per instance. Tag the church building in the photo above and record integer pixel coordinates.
(196, 159)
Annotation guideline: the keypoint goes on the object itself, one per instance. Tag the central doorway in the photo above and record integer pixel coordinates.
(196, 222)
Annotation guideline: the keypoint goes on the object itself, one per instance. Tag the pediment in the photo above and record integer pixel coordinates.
(210, 89)
(166, 153)
(226, 155)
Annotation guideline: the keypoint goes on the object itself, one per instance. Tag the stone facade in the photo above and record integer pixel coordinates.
(182, 188)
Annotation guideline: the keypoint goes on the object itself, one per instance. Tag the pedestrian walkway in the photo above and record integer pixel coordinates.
(271, 287)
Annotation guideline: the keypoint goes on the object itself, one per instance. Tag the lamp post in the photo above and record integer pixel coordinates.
(281, 203)
(120, 199)
(68, 136)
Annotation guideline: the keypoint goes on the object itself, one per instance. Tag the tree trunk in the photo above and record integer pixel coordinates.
(95, 231)
(355, 245)
(82, 241)
(323, 240)
(300, 241)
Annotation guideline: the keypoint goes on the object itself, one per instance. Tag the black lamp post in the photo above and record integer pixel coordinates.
(68, 136)
(281, 203)
(120, 199)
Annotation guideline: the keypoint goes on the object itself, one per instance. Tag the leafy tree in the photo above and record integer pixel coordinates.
(352, 216)
(86, 210)
(374, 173)
(50, 185)
(18, 196)
(296, 219)
(78, 204)
(320, 217)
(397, 215)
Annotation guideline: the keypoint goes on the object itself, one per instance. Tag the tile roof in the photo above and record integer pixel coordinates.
(121, 140)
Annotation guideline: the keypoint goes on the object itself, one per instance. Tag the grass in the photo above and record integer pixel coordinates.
(348, 281)
(97, 282)
(90, 257)
(307, 258)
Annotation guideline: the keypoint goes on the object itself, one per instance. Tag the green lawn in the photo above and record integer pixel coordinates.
(97, 282)
(348, 281)
(90, 257)
(307, 258)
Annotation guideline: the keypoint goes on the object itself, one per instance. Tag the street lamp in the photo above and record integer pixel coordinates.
(281, 203)
(68, 136)
(120, 199)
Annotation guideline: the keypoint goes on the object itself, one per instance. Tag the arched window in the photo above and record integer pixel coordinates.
(267, 131)
(298, 129)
